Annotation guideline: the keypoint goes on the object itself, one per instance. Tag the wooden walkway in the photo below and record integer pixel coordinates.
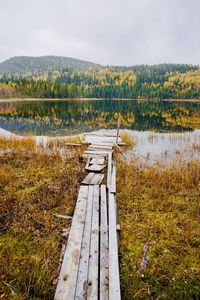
(90, 268)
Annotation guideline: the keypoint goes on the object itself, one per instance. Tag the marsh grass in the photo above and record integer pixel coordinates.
(127, 139)
(159, 209)
(33, 187)
(27, 143)
(62, 142)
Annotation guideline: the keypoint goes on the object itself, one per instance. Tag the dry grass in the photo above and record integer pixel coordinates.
(159, 210)
(34, 186)
(127, 139)
(27, 143)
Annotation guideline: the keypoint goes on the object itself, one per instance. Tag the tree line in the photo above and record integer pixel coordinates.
(139, 82)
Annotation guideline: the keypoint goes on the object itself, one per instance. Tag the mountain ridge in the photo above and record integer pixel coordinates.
(31, 63)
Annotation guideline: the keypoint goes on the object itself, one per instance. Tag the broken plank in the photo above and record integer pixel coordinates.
(92, 290)
(93, 179)
(82, 280)
(69, 270)
(104, 246)
(98, 161)
(96, 168)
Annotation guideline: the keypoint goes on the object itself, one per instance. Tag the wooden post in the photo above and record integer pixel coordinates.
(118, 126)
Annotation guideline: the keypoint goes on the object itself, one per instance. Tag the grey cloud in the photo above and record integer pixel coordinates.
(104, 31)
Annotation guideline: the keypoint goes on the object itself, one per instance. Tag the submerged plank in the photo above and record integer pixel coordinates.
(96, 168)
(69, 270)
(104, 246)
(114, 283)
(93, 179)
(92, 291)
(82, 280)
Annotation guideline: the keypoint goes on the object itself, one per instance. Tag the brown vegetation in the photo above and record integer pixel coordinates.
(35, 188)
(160, 232)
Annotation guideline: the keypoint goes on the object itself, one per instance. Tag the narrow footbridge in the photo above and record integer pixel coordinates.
(90, 268)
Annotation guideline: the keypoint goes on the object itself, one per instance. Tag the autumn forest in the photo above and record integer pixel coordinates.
(64, 80)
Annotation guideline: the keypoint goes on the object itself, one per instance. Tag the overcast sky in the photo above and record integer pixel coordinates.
(117, 32)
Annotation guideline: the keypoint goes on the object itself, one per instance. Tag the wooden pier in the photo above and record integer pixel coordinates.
(90, 268)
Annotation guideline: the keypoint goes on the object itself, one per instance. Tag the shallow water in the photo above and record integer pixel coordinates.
(161, 148)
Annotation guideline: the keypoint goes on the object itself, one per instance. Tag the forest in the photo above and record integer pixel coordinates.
(167, 81)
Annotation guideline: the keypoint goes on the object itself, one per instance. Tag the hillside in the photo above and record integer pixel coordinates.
(64, 77)
(23, 64)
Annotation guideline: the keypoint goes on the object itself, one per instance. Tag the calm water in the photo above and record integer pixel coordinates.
(163, 129)
(67, 117)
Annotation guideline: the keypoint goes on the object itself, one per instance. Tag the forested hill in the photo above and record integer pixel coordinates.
(23, 64)
(62, 77)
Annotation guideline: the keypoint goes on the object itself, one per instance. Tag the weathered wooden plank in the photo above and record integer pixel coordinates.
(69, 270)
(100, 146)
(103, 137)
(104, 246)
(98, 161)
(120, 143)
(105, 152)
(92, 291)
(82, 280)
(93, 179)
(97, 142)
(96, 168)
(109, 171)
(88, 162)
(113, 178)
(114, 283)
(113, 134)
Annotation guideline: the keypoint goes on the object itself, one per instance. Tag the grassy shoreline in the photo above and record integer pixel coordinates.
(158, 209)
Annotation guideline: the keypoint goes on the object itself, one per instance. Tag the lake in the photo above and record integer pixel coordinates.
(164, 129)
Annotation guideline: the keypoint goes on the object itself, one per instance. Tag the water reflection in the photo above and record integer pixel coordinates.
(69, 117)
